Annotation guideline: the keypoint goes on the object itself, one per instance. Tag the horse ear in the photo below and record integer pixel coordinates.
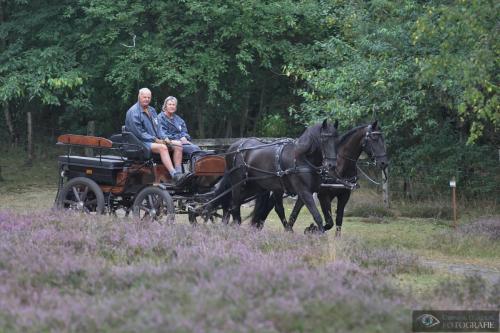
(325, 124)
(374, 125)
(336, 125)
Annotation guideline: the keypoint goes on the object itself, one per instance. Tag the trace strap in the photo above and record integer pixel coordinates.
(367, 177)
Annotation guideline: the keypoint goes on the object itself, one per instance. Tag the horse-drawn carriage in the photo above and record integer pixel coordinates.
(123, 176)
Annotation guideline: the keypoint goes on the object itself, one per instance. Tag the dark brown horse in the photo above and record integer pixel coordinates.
(367, 138)
(293, 167)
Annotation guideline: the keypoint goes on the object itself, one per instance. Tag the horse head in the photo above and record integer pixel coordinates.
(320, 141)
(374, 145)
(328, 142)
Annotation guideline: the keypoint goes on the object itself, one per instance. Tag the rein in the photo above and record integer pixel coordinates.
(373, 181)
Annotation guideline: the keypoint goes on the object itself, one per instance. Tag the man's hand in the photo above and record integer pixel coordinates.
(185, 141)
(159, 141)
(176, 143)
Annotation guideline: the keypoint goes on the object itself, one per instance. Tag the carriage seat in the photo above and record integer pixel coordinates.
(131, 147)
(134, 149)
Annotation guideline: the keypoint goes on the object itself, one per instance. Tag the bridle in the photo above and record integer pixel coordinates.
(368, 148)
(327, 160)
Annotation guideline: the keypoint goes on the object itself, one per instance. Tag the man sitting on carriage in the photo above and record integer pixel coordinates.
(142, 121)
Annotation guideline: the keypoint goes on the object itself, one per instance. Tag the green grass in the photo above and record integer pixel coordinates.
(20, 177)
(28, 188)
(33, 188)
(428, 239)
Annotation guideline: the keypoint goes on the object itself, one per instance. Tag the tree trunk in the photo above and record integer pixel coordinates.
(199, 117)
(407, 188)
(244, 115)
(261, 108)
(385, 189)
(229, 128)
(5, 104)
(10, 126)
(30, 139)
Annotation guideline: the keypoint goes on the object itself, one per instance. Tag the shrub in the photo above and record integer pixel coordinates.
(487, 227)
(390, 260)
(273, 125)
(427, 210)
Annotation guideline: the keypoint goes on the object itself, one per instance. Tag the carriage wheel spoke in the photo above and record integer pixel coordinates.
(84, 194)
(150, 200)
(76, 193)
(70, 202)
(146, 211)
(86, 210)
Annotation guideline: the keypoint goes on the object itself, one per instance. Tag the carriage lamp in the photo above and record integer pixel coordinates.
(88, 171)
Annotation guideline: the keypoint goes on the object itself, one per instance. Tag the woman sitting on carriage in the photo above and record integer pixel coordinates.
(174, 126)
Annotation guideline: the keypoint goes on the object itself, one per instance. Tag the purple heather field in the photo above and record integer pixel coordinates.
(63, 272)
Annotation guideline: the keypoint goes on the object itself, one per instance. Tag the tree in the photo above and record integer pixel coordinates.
(35, 71)
(458, 63)
(427, 70)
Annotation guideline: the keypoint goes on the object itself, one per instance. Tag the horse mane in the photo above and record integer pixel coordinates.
(307, 143)
(346, 136)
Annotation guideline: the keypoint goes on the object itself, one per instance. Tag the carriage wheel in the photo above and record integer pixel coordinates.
(83, 195)
(154, 204)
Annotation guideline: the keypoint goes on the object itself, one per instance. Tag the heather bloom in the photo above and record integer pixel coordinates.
(69, 272)
(487, 227)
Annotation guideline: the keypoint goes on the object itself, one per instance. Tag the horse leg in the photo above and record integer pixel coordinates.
(342, 200)
(226, 214)
(261, 209)
(325, 201)
(236, 204)
(308, 200)
(279, 209)
(295, 213)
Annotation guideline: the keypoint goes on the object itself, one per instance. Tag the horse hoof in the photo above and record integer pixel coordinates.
(337, 233)
(313, 228)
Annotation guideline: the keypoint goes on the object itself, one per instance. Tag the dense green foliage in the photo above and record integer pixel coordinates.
(427, 69)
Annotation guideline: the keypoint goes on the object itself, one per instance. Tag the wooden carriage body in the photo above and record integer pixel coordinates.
(121, 167)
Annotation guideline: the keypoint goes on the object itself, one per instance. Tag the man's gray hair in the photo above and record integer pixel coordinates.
(143, 90)
(168, 99)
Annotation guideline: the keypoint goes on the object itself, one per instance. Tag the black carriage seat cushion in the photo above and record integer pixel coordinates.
(103, 162)
(103, 170)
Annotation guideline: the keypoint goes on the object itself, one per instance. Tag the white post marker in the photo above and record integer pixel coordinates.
(453, 185)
